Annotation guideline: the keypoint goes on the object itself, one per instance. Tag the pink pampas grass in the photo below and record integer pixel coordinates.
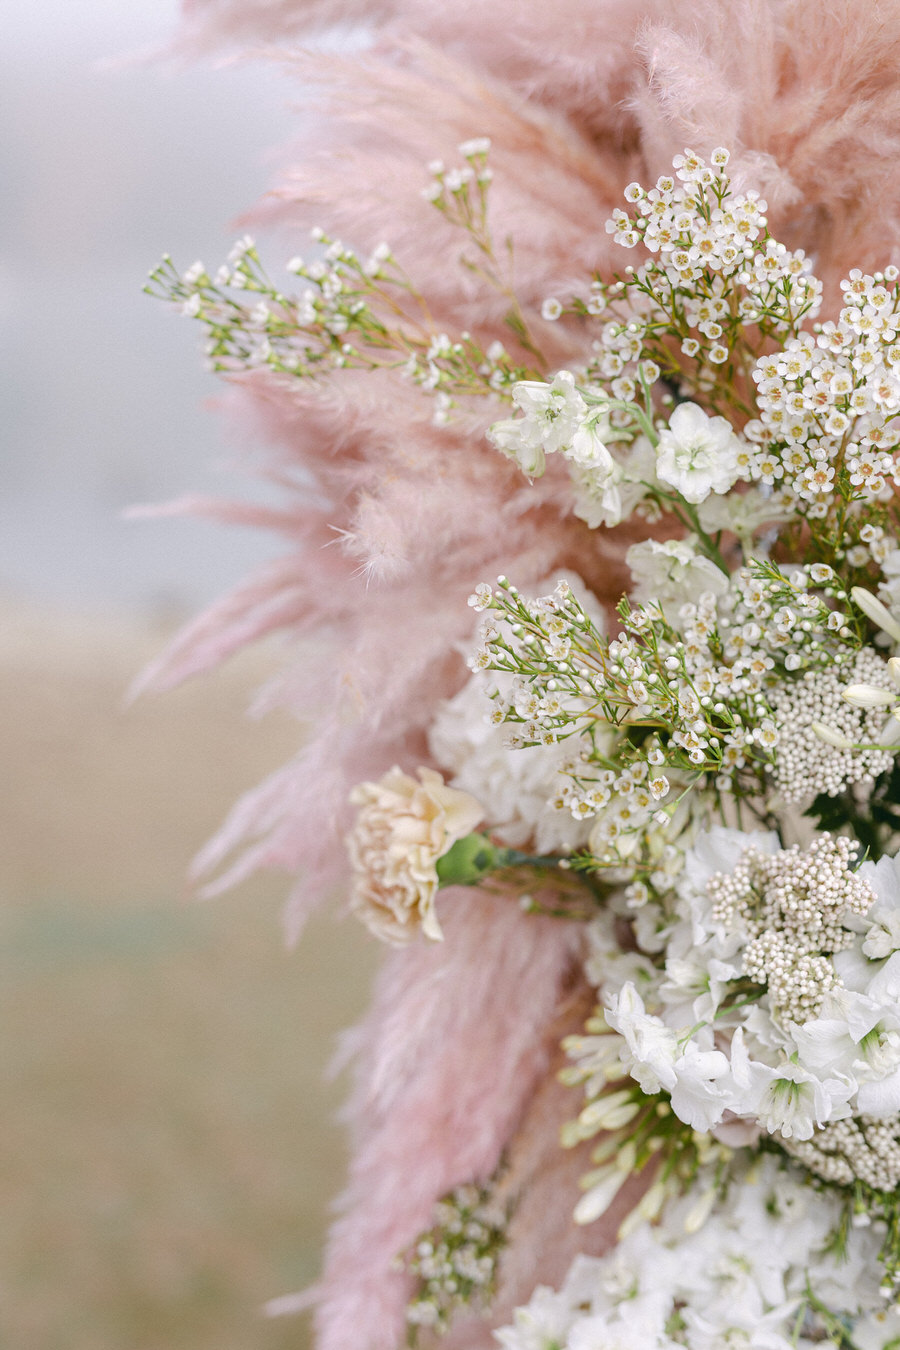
(813, 120)
(459, 1039)
(390, 522)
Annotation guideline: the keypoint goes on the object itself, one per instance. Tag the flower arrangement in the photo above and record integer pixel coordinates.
(638, 1049)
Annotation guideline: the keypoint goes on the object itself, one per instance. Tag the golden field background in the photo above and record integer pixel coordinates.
(168, 1148)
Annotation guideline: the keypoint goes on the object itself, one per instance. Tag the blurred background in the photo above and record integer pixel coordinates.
(168, 1147)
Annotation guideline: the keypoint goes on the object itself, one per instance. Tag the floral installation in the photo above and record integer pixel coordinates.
(632, 1072)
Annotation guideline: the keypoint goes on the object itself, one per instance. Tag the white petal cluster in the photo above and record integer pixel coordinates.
(698, 454)
(673, 572)
(515, 787)
(742, 1279)
(776, 998)
(558, 417)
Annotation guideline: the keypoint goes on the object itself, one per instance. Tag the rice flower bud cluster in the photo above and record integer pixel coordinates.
(860, 1148)
(807, 764)
(793, 905)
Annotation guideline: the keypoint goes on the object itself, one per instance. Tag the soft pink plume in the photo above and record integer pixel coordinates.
(389, 522)
(449, 1058)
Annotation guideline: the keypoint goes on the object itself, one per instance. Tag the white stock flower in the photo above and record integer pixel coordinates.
(402, 829)
(697, 454)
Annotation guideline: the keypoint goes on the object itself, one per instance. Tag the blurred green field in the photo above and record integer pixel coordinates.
(167, 1152)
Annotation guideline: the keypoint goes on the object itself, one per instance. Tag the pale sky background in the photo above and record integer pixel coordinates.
(101, 388)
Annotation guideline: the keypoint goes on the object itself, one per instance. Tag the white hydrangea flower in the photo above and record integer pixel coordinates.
(698, 454)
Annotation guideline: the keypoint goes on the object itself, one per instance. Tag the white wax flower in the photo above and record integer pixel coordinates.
(697, 454)
(403, 827)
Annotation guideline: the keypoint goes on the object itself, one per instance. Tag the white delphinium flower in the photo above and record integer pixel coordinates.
(543, 1324)
(607, 496)
(697, 454)
(652, 1047)
(673, 571)
(700, 1095)
(738, 1281)
(552, 414)
(788, 1100)
(859, 1037)
(743, 514)
(588, 447)
(872, 964)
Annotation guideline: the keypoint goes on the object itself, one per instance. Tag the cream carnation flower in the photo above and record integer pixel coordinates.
(403, 827)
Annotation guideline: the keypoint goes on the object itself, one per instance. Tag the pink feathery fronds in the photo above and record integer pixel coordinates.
(460, 1038)
(389, 521)
(808, 97)
(577, 98)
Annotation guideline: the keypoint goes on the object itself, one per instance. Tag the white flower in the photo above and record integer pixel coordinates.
(697, 454)
(698, 1098)
(542, 1325)
(402, 828)
(588, 448)
(552, 415)
(608, 496)
(652, 1047)
(520, 440)
(788, 1100)
(673, 571)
